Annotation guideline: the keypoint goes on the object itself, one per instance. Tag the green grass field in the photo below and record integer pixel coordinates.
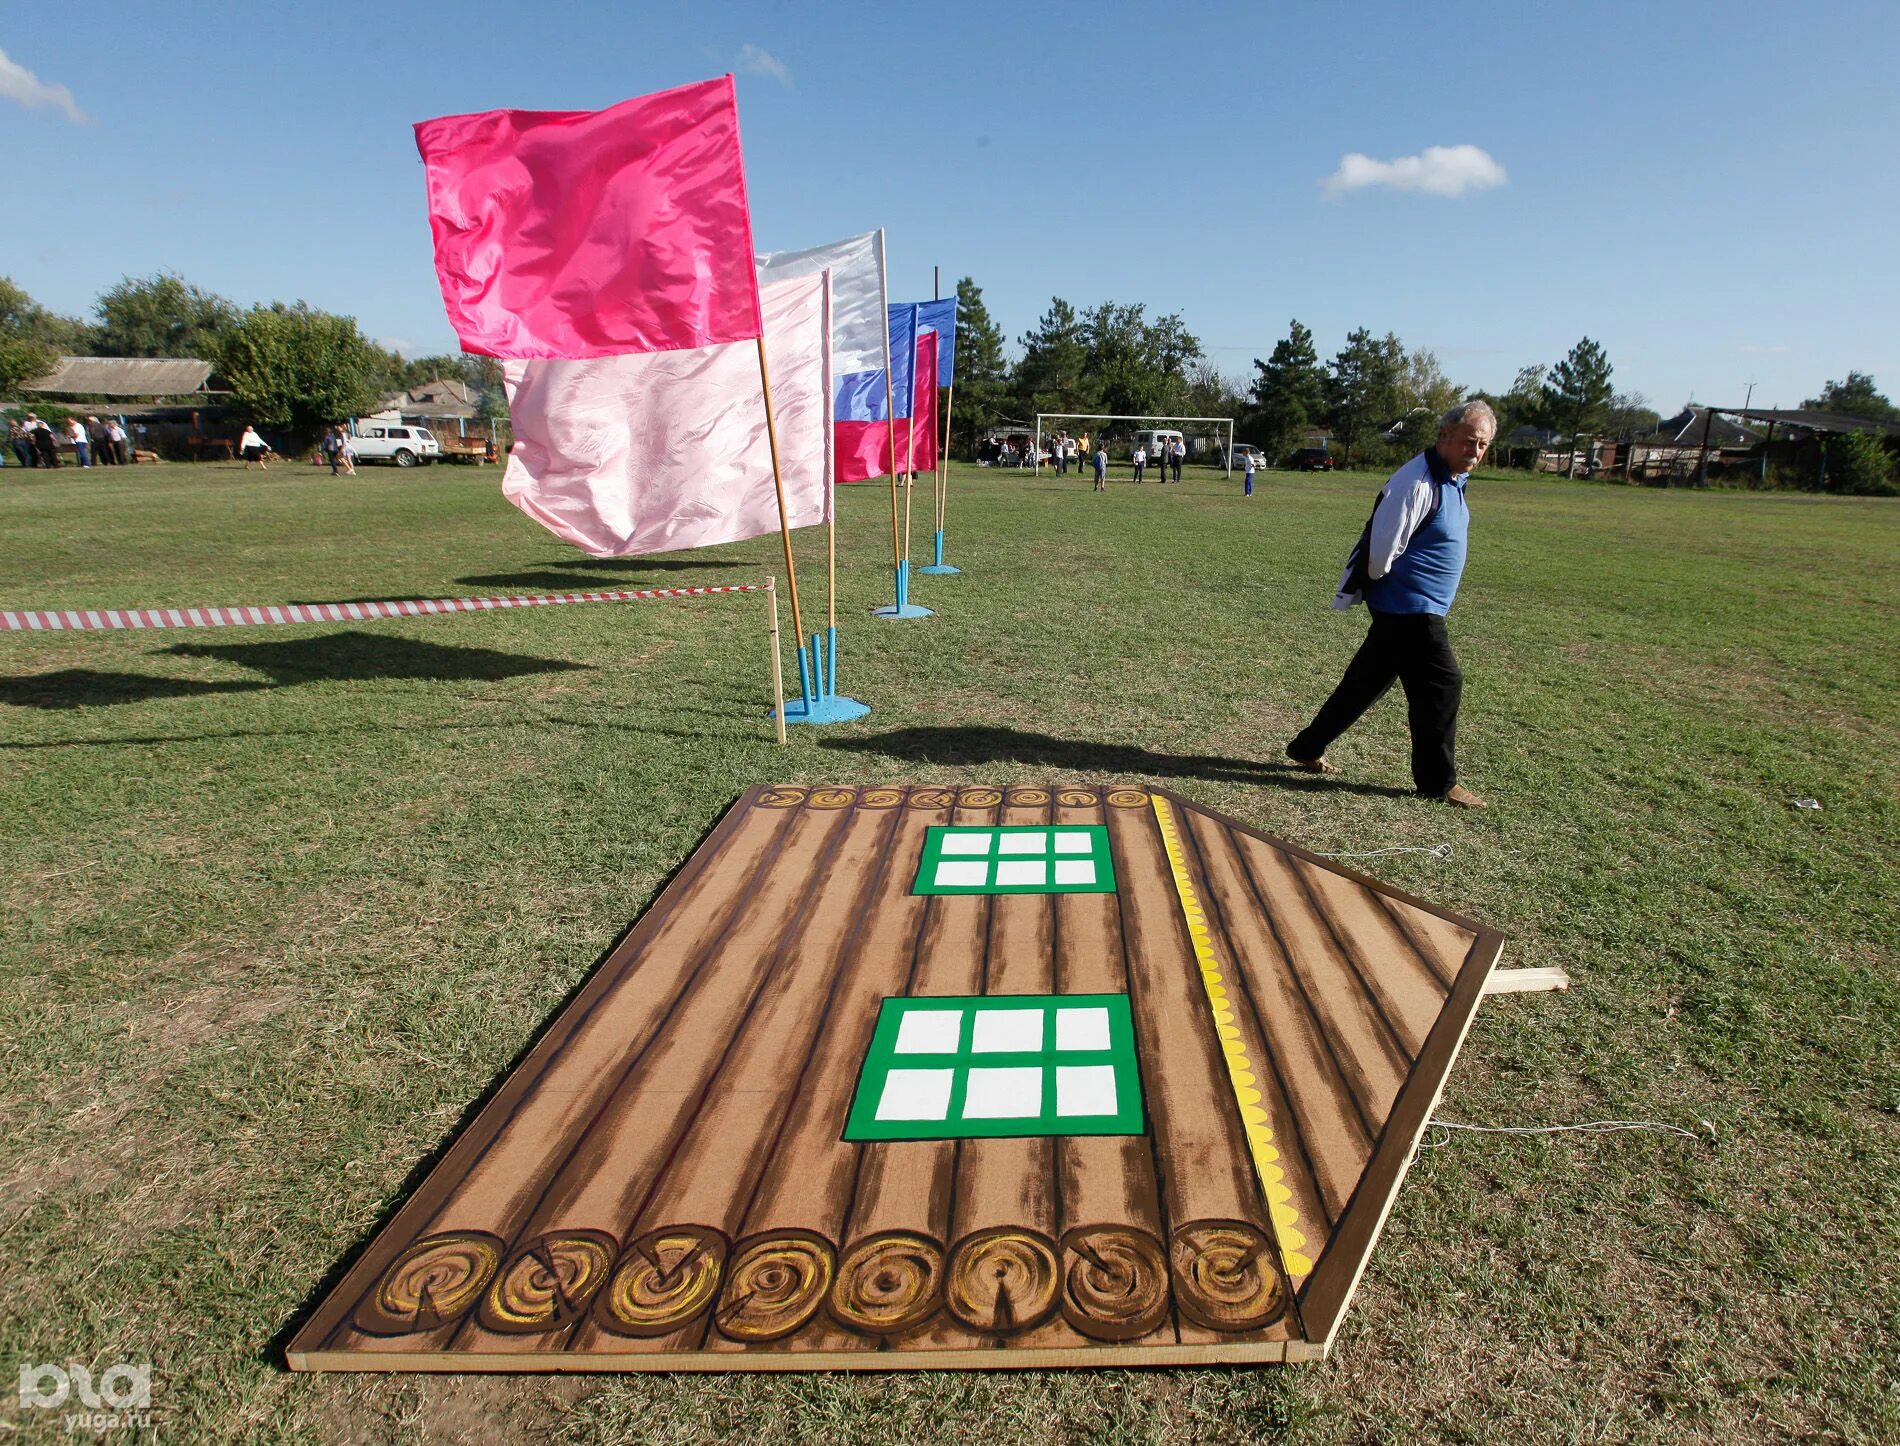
(280, 903)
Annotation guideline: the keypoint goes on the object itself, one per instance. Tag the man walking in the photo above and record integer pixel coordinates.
(1406, 568)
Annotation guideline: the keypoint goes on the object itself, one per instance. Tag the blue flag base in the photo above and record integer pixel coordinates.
(940, 568)
(904, 607)
(819, 700)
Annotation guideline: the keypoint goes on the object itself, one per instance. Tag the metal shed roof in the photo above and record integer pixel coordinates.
(120, 376)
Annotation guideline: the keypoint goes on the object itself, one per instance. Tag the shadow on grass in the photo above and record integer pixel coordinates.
(1075, 755)
(364, 657)
(338, 657)
(273, 1352)
(625, 572)
(85, 688)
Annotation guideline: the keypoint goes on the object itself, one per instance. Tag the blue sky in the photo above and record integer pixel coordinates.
(1710, 190)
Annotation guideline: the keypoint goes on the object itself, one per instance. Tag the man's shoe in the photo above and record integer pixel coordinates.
(1311, 765)
(1462, 798)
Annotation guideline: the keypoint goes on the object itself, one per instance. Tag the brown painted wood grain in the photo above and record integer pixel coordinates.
(487, 1180)
(903, 1188)
(607, 1173)
(1206, 1173)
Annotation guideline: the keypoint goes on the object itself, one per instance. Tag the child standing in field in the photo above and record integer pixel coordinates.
(1101, 469)
(1249, 491)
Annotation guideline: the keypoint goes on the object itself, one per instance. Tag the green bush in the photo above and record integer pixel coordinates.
(1859, 465)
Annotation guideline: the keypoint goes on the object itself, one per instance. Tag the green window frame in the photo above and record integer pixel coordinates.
(1016, 859)
(998, 1066)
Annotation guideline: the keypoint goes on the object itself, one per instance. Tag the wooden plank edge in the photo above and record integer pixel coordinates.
(1410, 1116)
(1526, 981)
(986, 1358)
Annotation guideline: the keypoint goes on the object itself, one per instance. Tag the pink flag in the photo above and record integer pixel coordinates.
(635, 454)
(594, 233)
(922, 445)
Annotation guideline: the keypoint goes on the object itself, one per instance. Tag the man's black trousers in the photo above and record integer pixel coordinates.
(1413, 650)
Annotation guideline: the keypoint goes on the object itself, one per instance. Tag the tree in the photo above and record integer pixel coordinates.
(1631, 415)
(1134, 366)
(1362, 387)
(23, 352)
(982, 377)
(1577, 395)
(1425, 394)
(298, 369)
(1053, 374)
(161, 315)
(1289, 393)
(1858, 464)
(1856, 397)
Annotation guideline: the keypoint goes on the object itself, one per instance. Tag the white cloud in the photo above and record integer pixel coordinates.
(1437, 170)
(17, 83)
(754, 61)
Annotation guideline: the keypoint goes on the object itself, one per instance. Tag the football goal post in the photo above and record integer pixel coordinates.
(1217, 425)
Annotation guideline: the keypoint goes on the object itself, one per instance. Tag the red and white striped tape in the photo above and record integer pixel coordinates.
(109, 619)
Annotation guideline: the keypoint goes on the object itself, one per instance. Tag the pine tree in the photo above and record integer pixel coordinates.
(982, 379)
(1577, 394)
(1289, 393)
(1362, 389)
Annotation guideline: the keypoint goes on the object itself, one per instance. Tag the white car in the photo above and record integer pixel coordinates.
(389, 442)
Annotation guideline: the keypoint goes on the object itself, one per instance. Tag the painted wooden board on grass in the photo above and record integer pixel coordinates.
(929, 1077)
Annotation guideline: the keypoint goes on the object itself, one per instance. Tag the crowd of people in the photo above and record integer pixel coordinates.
(35, 443)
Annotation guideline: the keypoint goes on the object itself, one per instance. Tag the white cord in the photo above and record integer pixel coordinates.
(1591, 1127)
(1439, 851)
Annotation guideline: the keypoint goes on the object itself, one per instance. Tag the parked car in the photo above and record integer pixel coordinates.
(1312, 459)
(1244, 450)
(406, 446)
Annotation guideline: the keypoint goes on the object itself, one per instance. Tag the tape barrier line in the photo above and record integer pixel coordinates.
(114, 619)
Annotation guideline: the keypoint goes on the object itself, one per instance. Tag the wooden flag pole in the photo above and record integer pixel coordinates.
(778, 667)
(943, 458)
(831, 479)
(778, 486)
(890, 417)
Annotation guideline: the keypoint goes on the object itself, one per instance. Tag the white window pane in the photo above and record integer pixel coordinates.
(915, 1094)
(1022, 871)
(962, 873)
(966, 843)
(929, 1031)
(1068, 841)
(1075, 871)
(1024, 843)
(1080, 1029)
(1003, 1094)
(1085, 1089)
(1001, 1031)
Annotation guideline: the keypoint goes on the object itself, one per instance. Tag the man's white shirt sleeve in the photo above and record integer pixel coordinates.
(1403, 506)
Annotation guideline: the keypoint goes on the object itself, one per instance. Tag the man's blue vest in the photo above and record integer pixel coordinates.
(1424, 578)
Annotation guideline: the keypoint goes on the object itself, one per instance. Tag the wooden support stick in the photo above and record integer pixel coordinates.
(890, 418)
(1525, 981)
(778, 664)
(943, 457)
(910, 476)
(778, 486)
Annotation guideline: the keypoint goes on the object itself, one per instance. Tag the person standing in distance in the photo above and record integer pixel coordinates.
(1405, 569)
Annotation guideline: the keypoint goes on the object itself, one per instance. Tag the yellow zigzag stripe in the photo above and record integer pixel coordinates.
(1239, 1067)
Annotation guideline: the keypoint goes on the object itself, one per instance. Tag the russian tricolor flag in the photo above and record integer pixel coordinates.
(863, 411)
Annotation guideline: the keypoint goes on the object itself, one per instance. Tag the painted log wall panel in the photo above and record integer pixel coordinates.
(1113, 1245)
(489, 1177)
(898, 1232)
(1371, 1060)
(676, 1126)
(798, 1214)
(1227, 1275)
(605, 1176)
(1315, 1129)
